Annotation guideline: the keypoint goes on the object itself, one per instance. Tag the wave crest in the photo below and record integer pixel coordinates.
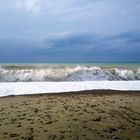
(64, 73)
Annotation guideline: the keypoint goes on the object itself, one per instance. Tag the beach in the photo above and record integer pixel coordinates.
(70, 70)
(83, 115)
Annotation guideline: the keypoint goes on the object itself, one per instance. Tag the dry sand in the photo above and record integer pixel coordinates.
(88, 115)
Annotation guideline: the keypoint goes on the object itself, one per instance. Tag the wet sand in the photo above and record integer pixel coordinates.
(87, 115)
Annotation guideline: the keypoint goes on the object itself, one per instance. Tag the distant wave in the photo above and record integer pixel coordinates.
(30, 73)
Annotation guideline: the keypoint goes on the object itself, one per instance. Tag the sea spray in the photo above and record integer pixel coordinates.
(42, 73)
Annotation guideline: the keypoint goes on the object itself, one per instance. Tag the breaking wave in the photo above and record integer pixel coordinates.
(16, 73)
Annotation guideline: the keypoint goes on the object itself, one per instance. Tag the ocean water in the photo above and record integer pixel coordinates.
(18, 79)
(69, 72)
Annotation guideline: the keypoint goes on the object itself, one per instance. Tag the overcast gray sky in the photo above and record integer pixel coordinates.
(69, 30)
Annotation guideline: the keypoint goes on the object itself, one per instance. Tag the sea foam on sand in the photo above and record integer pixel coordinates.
(21, 88)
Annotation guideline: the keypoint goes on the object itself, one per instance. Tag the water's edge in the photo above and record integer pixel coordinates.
(25, 88)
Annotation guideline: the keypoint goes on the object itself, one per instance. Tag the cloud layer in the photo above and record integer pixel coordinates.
(81, 30)
(74, 47)
(31, 6)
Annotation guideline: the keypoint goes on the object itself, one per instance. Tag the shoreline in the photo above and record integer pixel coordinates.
(99, 92)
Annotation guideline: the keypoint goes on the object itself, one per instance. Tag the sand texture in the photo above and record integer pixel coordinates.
(87, 115)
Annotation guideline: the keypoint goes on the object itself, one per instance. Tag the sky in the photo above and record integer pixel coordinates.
(69, 31)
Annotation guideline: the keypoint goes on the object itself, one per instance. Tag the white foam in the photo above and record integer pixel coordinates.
(126, 74)
(64, 73)
(138, 74)
(21, 88)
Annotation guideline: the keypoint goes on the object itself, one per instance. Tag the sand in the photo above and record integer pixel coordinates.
(87, 115)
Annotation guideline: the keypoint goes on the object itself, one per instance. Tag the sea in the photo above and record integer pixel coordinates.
(60, 72)
(36, 78)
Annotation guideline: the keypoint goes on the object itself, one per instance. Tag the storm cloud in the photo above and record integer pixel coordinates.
(70, 31)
